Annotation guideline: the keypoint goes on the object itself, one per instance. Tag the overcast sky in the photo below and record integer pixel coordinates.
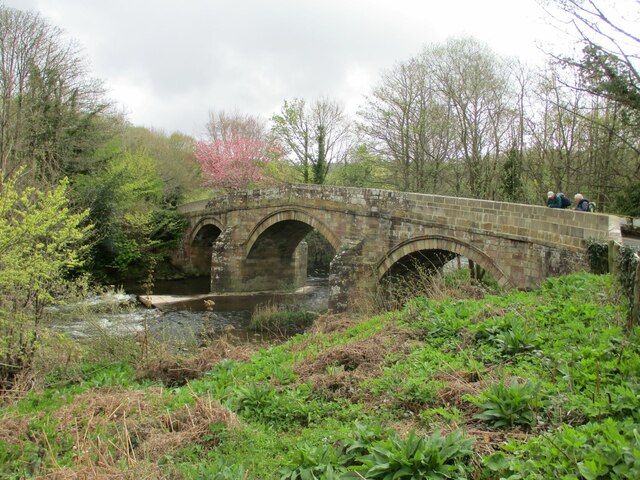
(168, 63)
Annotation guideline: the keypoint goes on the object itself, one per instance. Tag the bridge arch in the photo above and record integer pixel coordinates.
(200, 245)
(290, 214)
(207, 224)
(443, 243)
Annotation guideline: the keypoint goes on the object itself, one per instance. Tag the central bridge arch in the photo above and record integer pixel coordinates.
(274, 254)
(290, 214)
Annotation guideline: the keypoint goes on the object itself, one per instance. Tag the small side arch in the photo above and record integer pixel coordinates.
(290, 214)
(200, 245)
(214, 222)
(440, 242)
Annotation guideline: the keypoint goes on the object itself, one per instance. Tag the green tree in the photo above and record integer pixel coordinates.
(41, 241)
(135, 229)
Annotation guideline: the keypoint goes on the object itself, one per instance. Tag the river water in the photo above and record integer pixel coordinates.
(188, 322)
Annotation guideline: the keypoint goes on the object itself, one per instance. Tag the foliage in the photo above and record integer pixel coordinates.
(627, 264)
(416, 457)
(314, 463)
(40, 243)
(627, 200)
(509, 405)
(365, 169)
(135, 227)
(593, 451)
(598, 253)
(262, 403)
(280, 319)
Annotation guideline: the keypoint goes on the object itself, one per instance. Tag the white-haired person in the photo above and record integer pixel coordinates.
(582, 204)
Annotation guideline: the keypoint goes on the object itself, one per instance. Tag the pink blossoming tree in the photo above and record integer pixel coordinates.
(232, 163)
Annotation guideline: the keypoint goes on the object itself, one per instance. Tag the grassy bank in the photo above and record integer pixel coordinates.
(524, 385)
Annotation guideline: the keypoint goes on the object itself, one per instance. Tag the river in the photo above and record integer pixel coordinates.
(188, 322)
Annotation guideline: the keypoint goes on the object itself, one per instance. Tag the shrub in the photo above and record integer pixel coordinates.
(314, 463)
(506, 406)
(40, 243)
(432, 456)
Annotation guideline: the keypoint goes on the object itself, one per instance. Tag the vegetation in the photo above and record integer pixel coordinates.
(280, 319)
(459, 385)
(393, 395)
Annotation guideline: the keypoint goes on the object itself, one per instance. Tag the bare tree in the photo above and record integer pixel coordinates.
(407, 126)
(609, 66)
(48, 104)
(474, 82)
(227, 126)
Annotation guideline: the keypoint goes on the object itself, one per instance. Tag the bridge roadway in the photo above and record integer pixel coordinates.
(253, 240)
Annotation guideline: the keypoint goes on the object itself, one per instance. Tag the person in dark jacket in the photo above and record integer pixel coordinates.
(582, 204)
(557, 200)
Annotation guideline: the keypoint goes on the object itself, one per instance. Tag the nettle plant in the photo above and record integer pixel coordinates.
(508, 405)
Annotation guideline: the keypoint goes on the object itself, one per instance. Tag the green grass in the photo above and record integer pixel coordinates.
(544, 384)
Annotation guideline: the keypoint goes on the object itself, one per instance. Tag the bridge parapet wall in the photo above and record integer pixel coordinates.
(554, 227)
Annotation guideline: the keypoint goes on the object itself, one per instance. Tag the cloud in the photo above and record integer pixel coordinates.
(168, 63)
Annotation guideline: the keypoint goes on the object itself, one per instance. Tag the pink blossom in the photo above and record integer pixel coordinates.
(232, 164)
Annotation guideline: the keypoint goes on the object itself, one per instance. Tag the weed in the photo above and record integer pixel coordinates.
(593, 451)
(508, 405)
(280, 320)
(432, 456)
(314, 463)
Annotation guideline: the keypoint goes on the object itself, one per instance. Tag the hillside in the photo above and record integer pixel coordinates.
(542, 384)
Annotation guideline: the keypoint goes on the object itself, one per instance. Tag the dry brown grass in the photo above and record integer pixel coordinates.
(340, 371)
(178, 370)
(333, 323)
(115, 428)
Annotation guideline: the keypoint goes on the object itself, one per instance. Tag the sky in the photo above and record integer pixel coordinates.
(167, 64)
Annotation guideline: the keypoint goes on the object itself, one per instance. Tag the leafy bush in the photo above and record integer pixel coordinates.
(40, 243)
(219, 470)
(517, 339)
(262, 402)
(416, 457)
(506, 406)
(315, 463)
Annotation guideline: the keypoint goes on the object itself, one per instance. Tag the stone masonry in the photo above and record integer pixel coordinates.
(256, 236)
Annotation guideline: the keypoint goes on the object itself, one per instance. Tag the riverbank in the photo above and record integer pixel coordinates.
(521, 385)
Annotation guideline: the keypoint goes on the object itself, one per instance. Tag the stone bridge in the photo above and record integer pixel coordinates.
(253, 240)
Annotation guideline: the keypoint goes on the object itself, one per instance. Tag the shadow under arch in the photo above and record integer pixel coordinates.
(201, 240)
(290, 214)
(442, 243)
(275, 256)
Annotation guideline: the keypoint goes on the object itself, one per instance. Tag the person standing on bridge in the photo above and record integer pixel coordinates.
(582, 204)
(557, 200)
